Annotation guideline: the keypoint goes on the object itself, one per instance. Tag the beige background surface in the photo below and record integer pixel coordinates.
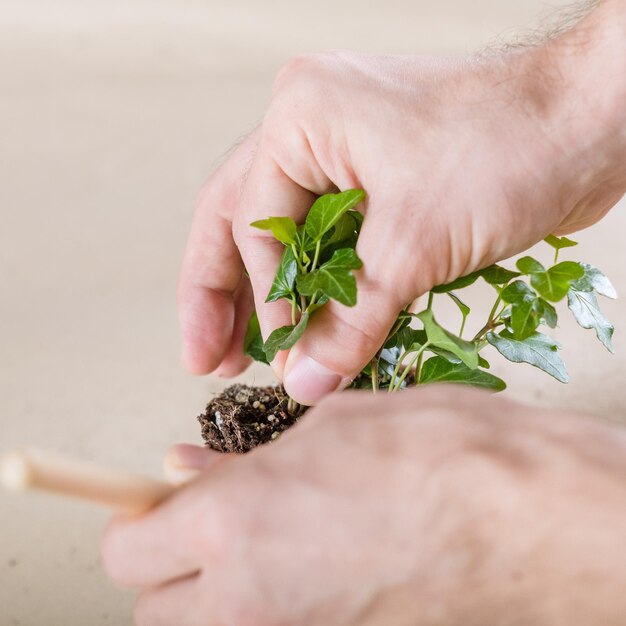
(112, 114)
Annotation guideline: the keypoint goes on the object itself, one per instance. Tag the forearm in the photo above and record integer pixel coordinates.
(588, 64)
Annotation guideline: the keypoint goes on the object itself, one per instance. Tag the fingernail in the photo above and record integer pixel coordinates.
(184, 462)
(189, 456)
(308, 381)
(177, 476)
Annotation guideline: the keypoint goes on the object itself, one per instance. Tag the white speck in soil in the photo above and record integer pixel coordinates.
(256, 404)
(275, 435)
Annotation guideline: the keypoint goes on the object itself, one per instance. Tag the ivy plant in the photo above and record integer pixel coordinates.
(318, 265)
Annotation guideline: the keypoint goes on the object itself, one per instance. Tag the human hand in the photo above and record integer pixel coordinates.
(427, 507)
(465, 162)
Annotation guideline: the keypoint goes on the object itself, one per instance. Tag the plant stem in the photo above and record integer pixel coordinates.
(462, 326)
(302, 270)
(431, 297)
(292, 406)
(494, 308)
(489, 325)
(418, 368)
(415, 359)
(396, 371)
(294, 306)
(374, 367)
(318, 247)
(297, 257)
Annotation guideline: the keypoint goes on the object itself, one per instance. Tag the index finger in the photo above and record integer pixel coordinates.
(268, 192)
(153, 548)
(212, 268)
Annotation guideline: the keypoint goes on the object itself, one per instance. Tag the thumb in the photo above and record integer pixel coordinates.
(340, 341)
(184, 462)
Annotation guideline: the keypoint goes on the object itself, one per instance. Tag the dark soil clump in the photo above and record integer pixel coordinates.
(242, 418)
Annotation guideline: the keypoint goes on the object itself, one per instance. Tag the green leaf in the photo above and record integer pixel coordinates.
(566, 270)
(334, 278)
(285, 278)
(494, 275)
(546, 312)
(584, 306)
(401, 334)
(411, 340)
(524, 318)
(275, 341)
(517, 291)
(560, 242)
(283, 228)
(253, 341)
(594, 279)
(482, 362)
(439, 337)
(497, 275)
(438, 370)
(506, 313)
(523, 315)
(318, 304)
(328, 209)
(465, 310)
(285, 337)
(553, 284)
(538, 350)
(344, 235)
(459, 283)
(528, 265)
(304, 242)
(346, 230)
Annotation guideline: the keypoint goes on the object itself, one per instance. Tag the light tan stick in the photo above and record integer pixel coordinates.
(35, 469)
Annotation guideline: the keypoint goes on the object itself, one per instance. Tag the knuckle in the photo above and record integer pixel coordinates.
(210, 194)
(205, 193)
(243, 233)
(298, 89)
(299, 69)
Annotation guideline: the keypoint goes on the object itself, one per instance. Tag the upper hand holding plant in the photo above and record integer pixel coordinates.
(458, 175)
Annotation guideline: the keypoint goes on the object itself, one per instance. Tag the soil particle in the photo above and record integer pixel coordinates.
(242, 418)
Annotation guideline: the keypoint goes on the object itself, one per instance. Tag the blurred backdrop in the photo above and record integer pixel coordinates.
(111, 116)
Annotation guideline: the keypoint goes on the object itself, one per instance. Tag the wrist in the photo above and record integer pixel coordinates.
(586, 71)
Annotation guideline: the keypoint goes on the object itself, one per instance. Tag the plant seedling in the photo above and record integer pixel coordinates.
(317, 266)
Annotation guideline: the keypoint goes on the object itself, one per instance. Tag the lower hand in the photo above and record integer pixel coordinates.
(428, 507)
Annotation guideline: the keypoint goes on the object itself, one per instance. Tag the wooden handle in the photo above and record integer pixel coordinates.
(35, 469)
